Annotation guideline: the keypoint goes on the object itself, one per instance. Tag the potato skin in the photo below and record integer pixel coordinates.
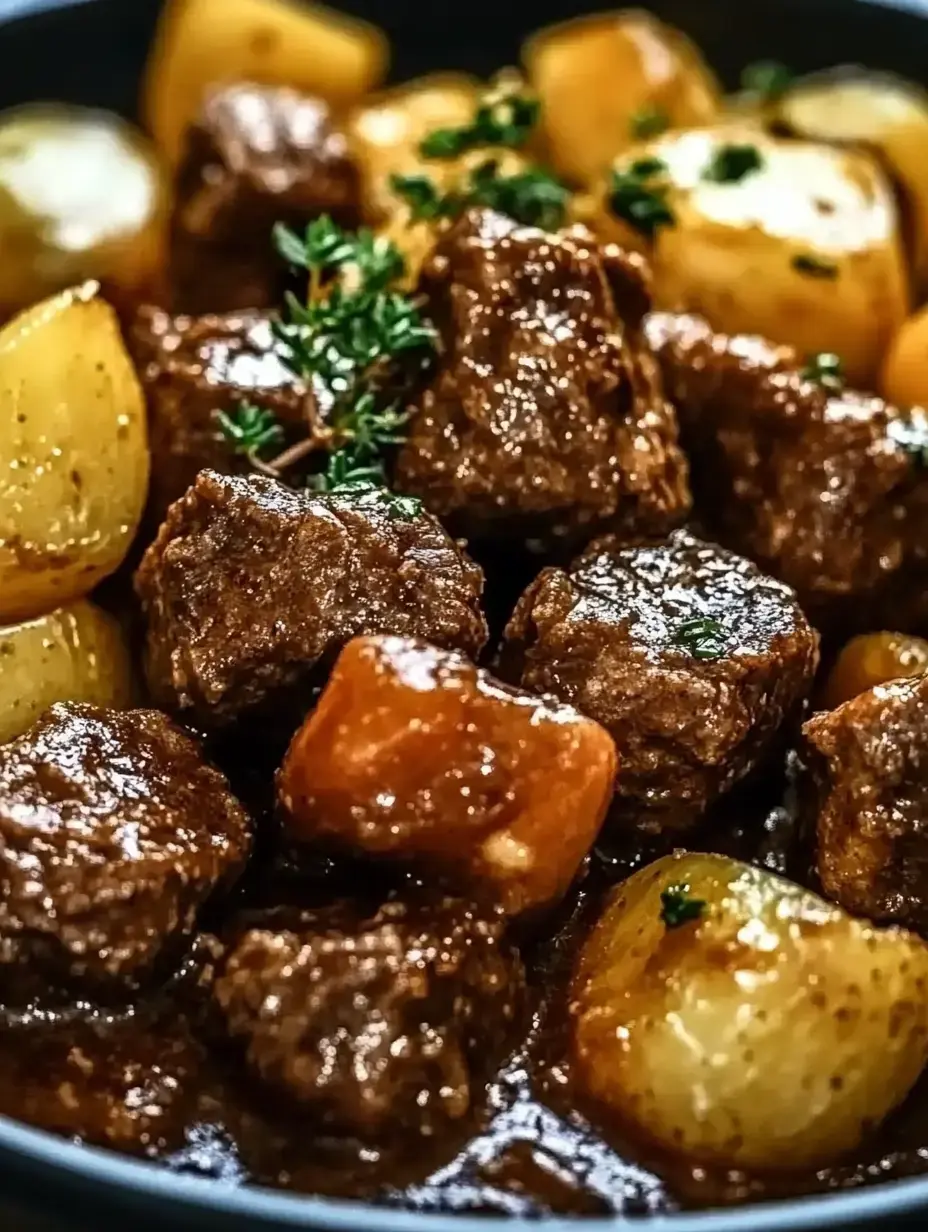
(872, 659)
(75, 654)
(905, 372)
(770, 1034)
(73, 453)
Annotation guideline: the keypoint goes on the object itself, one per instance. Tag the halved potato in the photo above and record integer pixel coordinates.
(82, 196)
(739, 1020)
(200, 43)
(75, 654)
(905, 371)
(601, 80)
(805, 248)
(73, 452)
(878, 110)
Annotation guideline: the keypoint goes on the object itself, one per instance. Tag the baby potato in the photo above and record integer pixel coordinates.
(75, 654)
(732, 1017)
(872, 659)
(905, 372)
(81, 196)
(200, 43)
(878, 110)
(604, 78)
(73, 452)
(385, 131)
(796, 241)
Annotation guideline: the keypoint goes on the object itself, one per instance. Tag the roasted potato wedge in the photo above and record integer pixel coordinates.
(73, 453)
(905, 372)
(75, 654)
(872, 659)
(805, 247)
(732, 1017)
(200, 43)
(82, 195)
(602, 79)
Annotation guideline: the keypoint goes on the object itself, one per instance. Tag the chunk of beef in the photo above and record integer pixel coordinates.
(546, 420)
(414, 753)
(251, 589)
(113, 833)
(686, 653)
(193, 367)
(379, 1024)
(866, 802)
(257, 155)
(825, 488)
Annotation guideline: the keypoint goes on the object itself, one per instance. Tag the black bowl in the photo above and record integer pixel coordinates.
(93, 51)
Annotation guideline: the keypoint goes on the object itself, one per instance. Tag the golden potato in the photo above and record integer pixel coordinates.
(796, 241)
(604, 79)
(200, 43)
(905, 372)
(75, 654)
(877, 110)
(73, 452)
(731, 1016)
(872, 659)
(81, 196)
(385, 132)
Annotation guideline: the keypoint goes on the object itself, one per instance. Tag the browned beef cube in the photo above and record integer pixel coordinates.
(257, 155)
(546, 420)
(251, 589)
(687, 654)
(113, 832)
(825, 488)
(867, 802)
(378, 1024)
(192, 367)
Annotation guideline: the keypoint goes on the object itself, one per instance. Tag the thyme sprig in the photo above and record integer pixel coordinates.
(250, 430)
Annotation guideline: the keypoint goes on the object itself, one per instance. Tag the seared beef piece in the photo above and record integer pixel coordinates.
(415, 754)
(866, 802)
(692, 706)
(113, 833)
(379, 1024)
(546, 420)
(251, 589)
(257, 155)
(192, 367)
(825, 489)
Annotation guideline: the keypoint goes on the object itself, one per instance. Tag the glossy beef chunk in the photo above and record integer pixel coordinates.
(867, 802)
(192, 367)
(826, 489)
(251, 589)
(686, 653)
(415, 754)
(546, 420)
(257, 155)
(378, 1024)
(113, 833)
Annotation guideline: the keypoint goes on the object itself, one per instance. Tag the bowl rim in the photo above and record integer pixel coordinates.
(184, 1195)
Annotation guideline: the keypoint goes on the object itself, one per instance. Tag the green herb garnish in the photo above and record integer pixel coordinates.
(732, 163)
(825, 369)
(532, 197)
(250, 430)
(679, 908)
(911, 434)
(636, 198)
(648, 121)
(505, 120)
(814, 267)
(769, 80)
(702, 637)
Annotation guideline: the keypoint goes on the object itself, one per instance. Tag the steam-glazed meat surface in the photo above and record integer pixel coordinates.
(827, 489)
(193, 367)
(686, 653)
(415, 754)
(867, 801)
(379, 1024)
(546, 419)
(257, 155)
(251, 589)
(113, 832)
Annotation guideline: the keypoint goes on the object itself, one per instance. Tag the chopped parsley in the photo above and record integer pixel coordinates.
(637, 199)
(825, 369)
(814, 267)
(533, 196)
(732, 163)
(506, 119)
(648, 121)
(702, 637)
(768, 80)
(678, 907)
